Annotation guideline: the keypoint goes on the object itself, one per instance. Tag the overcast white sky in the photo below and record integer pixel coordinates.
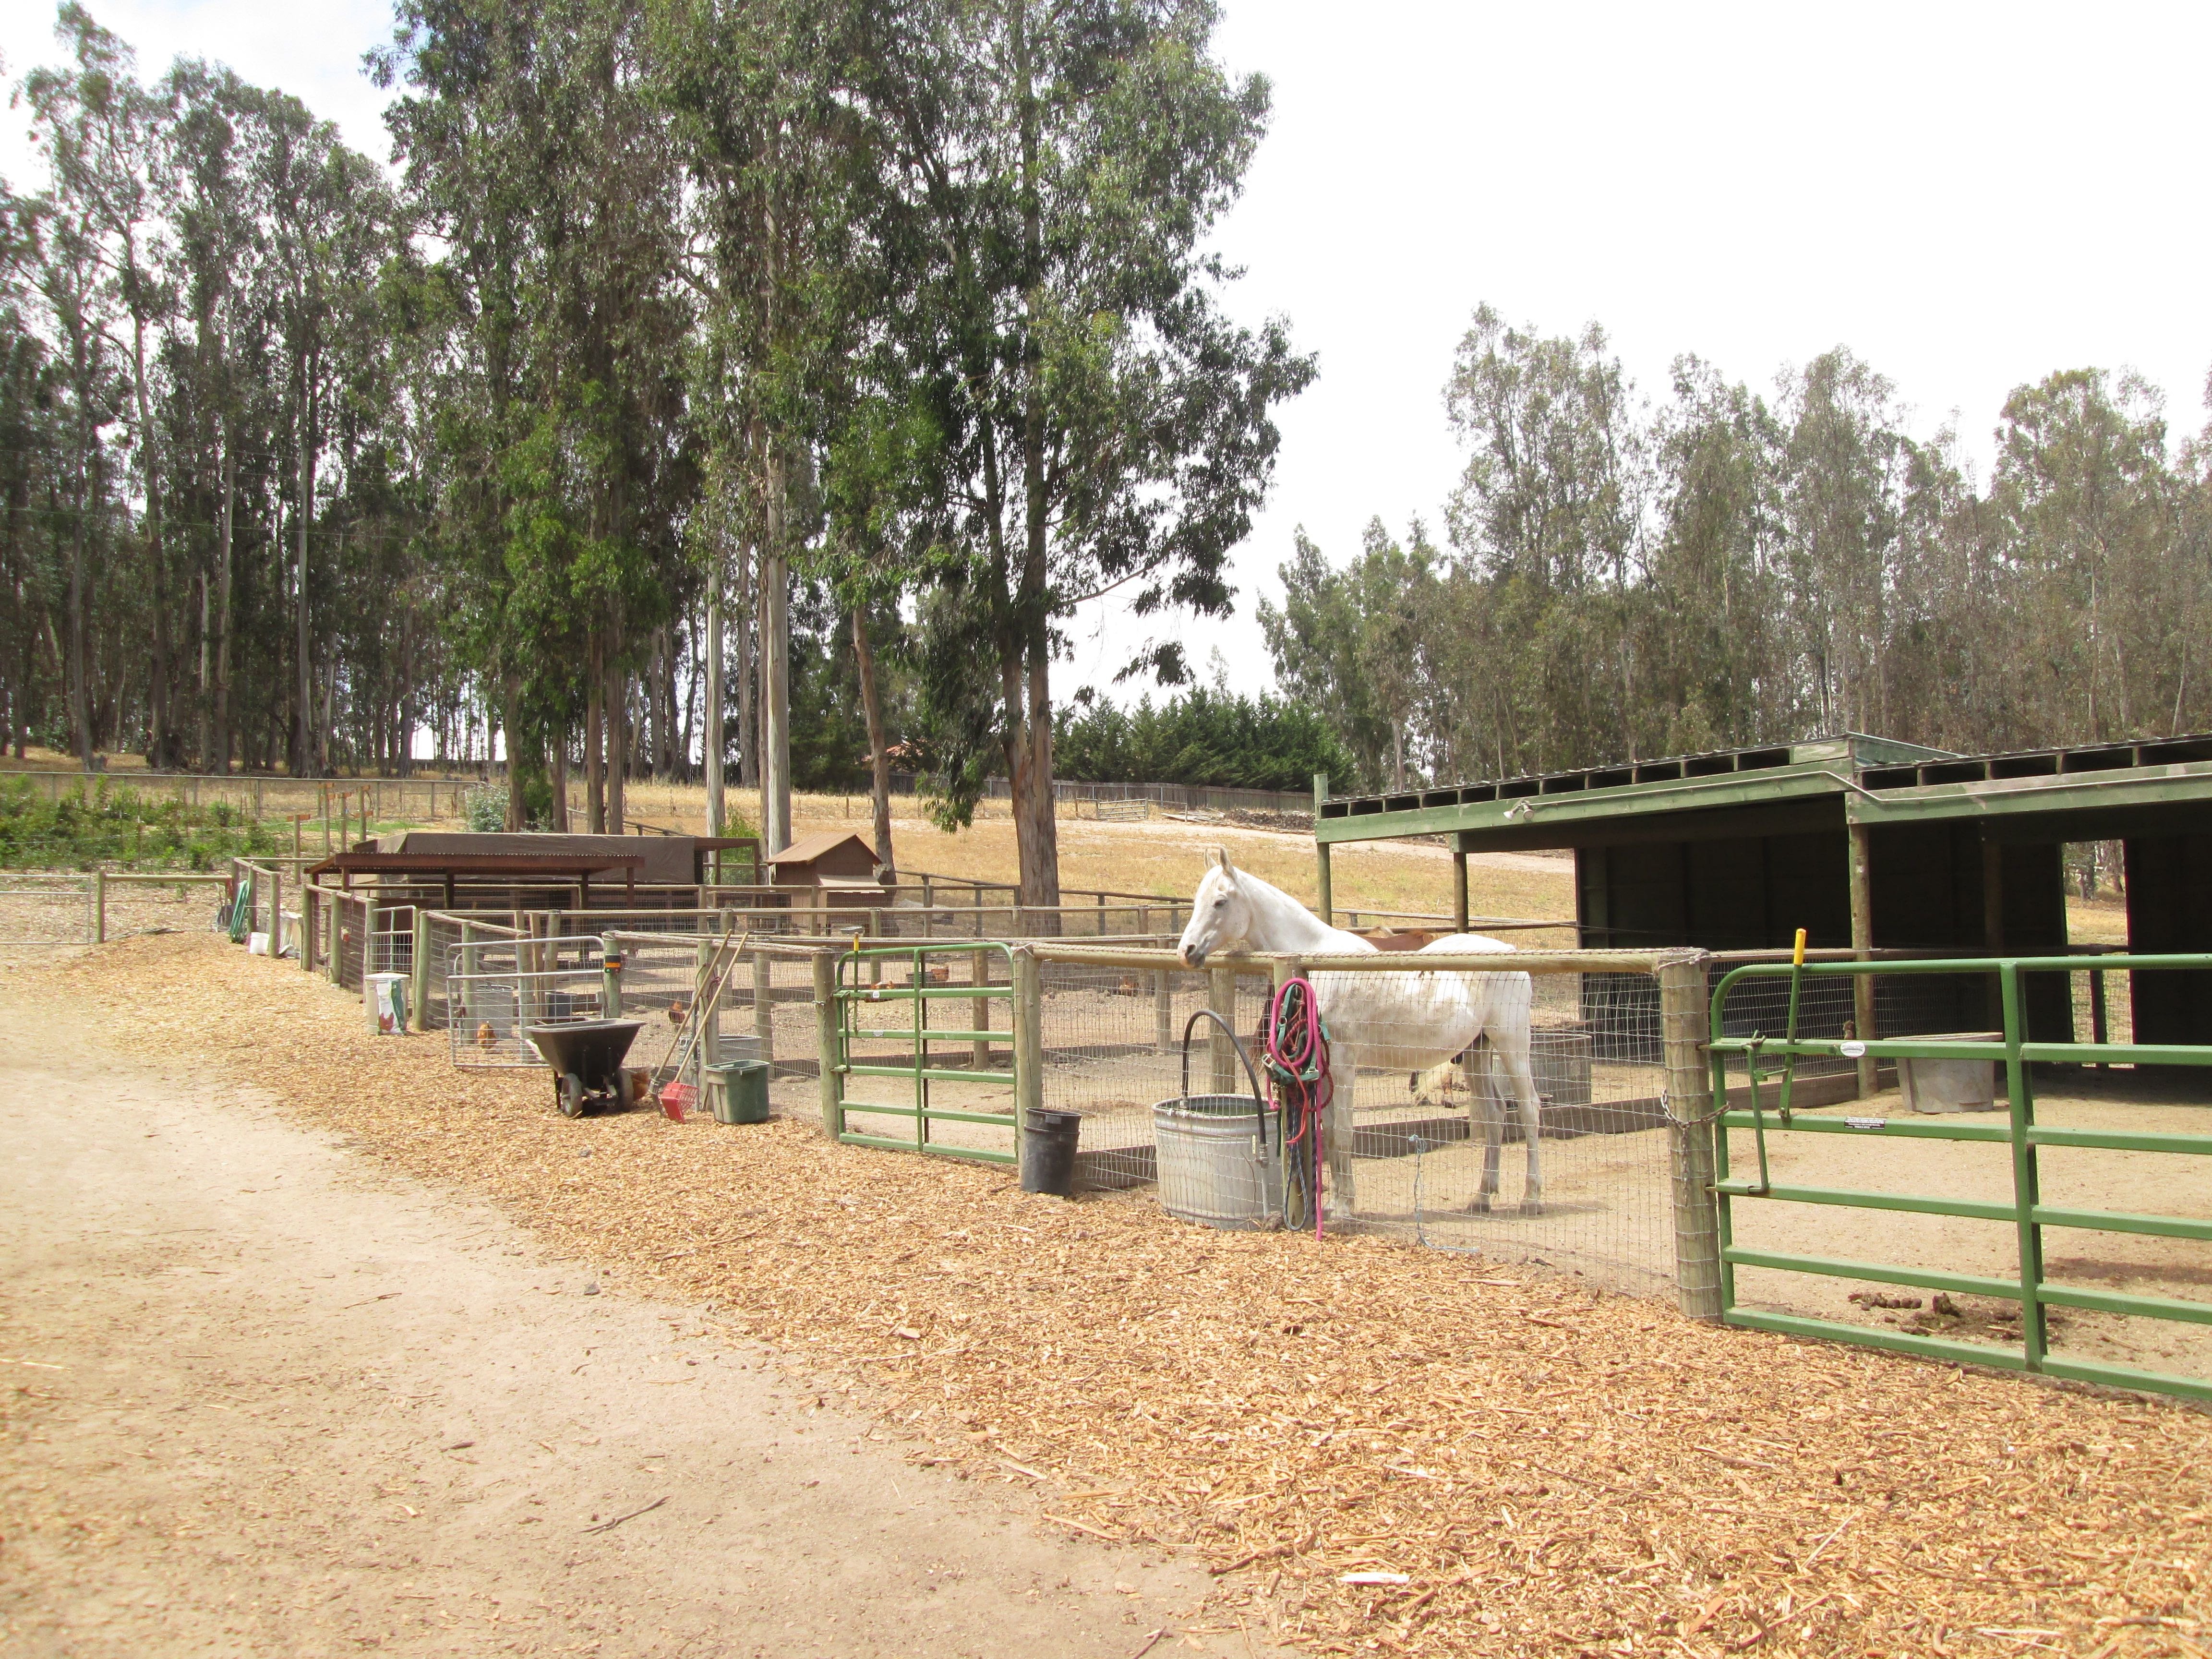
(1968, 196)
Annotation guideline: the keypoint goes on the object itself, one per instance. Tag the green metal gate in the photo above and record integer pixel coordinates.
(2027, 1213)
(870, 1010)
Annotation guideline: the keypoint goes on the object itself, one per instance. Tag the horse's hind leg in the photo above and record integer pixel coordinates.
(1343, 1071)
(1516, 1058)
(1486, 1114)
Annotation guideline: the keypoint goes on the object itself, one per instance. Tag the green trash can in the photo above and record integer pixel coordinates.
(736, 1091)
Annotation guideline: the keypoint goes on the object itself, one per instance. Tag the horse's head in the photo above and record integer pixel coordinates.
(1220, 914)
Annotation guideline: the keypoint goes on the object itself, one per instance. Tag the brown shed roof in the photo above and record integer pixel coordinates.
(815, 846)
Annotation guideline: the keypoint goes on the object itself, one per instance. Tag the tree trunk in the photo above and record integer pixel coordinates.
(748, 658)
(878, 745)
(80, 694)
(617, 716)
(558, 760)
(518, 804)
(222, 605)
(710, 742)
(1035, 834)
(160, 744)
(302, 747)
(595, 792)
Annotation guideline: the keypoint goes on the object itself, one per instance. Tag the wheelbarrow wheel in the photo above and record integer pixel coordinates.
(571, 1095)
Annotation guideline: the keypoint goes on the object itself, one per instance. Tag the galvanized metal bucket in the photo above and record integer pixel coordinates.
(1219, 1157)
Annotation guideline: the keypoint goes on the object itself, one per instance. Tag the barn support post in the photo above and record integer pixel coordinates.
(1028, 1041)
(1683, 1023)
(1459, 885)
(1221, 997)
(1862, 948)
(1324, 903)
(335, 938)
(828, 1034)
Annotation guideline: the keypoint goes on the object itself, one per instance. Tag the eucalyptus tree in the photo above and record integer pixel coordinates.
(1048, 176)
(777, 156)
(68, 227)
(2106, 618)
(217, 249)
(531, 139)
(1548, 519)
(1358, 643)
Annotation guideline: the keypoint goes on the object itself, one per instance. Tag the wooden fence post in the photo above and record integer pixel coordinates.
(829, 1045)
(764, 1003)
(1683, 1027)
(978, 975)
(100, 906)
(418, 969)
(1221, 997)
(1028, 1041)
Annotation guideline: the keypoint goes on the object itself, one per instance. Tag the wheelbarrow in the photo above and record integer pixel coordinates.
(586, 1057)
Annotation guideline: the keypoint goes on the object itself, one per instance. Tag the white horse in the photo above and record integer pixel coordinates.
(1403, 1022)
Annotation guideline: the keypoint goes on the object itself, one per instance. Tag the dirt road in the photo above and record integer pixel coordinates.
(261, 1396)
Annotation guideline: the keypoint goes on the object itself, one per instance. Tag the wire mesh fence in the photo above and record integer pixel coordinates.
(497, 989)
(53, 909)
(45, 909)
(1444, 1083)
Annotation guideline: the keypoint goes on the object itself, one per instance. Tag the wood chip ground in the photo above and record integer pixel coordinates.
(1552, 1470)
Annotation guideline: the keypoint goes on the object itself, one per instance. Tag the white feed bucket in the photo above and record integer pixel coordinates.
(384, 996)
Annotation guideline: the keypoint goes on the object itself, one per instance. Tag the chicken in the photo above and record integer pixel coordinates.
(676, 1012)
(485, 1036)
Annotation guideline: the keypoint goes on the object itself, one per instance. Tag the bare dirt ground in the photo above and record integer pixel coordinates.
(262, 1396)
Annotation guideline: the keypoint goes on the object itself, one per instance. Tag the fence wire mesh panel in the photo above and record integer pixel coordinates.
(1439, 1124)
(392, 942)
(136, 905)
(497, 989)
(442, 931)
(349, 938)
(1111, 1042)
(39, 909)
(1442, 1149)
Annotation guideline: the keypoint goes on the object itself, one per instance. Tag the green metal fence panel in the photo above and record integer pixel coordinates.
(864, 1006)
(2022, 1137)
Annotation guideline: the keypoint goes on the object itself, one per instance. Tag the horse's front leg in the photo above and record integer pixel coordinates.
(1343, 1073)
(1485, 1115)
(1516, 1056)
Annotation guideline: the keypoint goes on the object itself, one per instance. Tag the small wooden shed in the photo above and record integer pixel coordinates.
(838, 864)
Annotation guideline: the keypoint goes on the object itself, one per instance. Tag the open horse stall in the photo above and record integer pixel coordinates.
(2056, 1221)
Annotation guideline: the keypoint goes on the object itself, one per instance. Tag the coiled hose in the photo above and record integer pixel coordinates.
(1298, 1062)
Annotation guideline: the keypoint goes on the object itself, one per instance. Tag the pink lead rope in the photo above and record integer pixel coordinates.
(1297, 1060)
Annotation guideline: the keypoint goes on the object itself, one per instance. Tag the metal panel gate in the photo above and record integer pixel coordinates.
(2021, 1134)
(870, 1011)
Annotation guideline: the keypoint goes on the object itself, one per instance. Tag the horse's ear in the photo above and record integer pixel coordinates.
(1221, 858)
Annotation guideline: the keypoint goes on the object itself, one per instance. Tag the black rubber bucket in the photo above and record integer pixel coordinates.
(1048, 1140)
